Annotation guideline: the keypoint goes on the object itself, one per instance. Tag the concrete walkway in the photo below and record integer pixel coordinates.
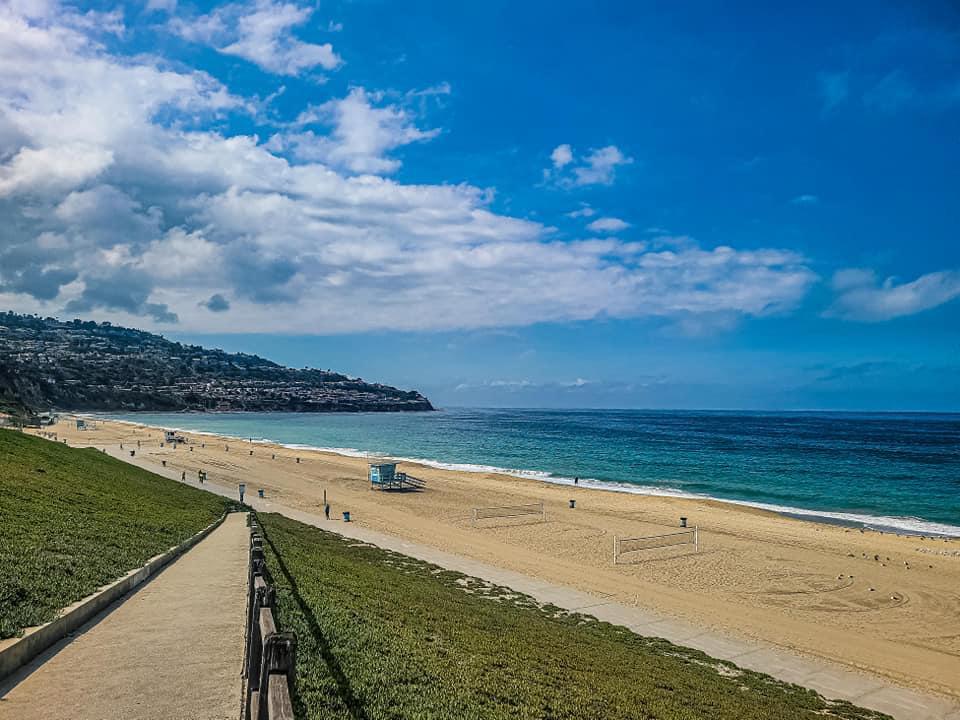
(172, 649)
(829, 679)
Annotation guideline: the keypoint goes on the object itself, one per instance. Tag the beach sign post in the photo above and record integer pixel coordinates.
(242, 488)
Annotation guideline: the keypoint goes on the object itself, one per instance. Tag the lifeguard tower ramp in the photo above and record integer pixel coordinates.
(384, 476)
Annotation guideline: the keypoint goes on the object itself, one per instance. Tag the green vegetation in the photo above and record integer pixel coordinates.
(73, 520)
(381, 635)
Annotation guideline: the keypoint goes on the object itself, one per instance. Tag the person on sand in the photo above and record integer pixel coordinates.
(576, 481)
(326, 510)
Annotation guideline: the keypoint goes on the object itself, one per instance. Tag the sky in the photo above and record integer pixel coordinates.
(537, 204)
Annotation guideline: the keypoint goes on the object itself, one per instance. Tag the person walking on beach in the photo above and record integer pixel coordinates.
(326, 510)
(576, 481)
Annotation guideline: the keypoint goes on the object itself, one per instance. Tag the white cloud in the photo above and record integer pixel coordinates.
(598, 167)
(805, 200)
(362, 134)
(608, 224)
(562, 155)
(157, 209)
(260, 31)
(584, 211)
(861, 297)
(169, 6)
(54, 168)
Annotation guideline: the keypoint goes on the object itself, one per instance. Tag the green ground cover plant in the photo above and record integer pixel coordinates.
(383, 636)
(73, 520)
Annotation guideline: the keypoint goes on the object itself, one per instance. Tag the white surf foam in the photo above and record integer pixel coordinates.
(903, 525)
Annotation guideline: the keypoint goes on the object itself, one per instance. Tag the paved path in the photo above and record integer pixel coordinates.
(171, 650)
(830, 679)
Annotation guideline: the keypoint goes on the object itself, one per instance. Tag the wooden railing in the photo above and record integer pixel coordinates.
(270, 658)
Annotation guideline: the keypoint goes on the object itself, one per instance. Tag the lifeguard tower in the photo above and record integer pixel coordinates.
(384, 476)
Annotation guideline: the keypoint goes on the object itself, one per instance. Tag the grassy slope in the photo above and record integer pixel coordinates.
(73, 520)
(384, 636)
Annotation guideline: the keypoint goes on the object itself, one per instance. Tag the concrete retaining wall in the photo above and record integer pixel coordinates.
(16, 652)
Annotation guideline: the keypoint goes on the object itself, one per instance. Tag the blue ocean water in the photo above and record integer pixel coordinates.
(884, 470)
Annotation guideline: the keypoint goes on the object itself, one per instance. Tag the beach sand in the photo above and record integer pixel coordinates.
(875, 601)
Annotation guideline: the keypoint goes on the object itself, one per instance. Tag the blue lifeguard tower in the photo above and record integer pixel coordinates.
(384, 476)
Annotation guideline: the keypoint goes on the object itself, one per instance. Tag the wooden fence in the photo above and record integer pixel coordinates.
(270, 658)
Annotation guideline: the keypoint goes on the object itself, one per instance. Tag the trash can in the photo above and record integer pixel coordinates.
(260, 492)
(573, 504)
(683, 522)
(346, 516)
(163, 462)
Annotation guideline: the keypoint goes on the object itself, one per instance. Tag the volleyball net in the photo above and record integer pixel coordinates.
(630, 546)
(509, 511)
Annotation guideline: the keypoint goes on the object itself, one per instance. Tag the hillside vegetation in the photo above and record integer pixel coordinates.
(381, 635)
(73, 520)
(46, 363)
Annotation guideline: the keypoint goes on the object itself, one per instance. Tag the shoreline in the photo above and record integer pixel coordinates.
(905, 526)
(874, 601)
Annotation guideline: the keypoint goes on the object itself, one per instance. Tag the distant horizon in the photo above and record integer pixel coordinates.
(441, 408)
(238, 345)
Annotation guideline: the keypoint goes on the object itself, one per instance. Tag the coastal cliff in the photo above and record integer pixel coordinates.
(49, 364)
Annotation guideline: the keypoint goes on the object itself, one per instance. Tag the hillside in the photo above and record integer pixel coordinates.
(75, 520)
(77, 365)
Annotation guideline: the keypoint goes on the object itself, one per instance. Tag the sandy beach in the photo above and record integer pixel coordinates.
(874, 601)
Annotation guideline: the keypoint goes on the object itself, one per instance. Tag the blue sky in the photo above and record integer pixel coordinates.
(532, 204)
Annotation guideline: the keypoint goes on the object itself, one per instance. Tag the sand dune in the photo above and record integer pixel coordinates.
(874, 601)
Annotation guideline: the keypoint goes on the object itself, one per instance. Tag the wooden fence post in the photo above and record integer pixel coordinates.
(279, 659)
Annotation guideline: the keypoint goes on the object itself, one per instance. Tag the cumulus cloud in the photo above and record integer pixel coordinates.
(562, 155)
(584, 211)
(162, 5)
(861, 296)
(59, 167)
(361, 137)
(261, 32)
(125, 198)
(597, 167)
(608, 225)
(217, 303)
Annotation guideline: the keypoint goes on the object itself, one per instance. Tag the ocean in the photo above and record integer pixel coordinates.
(882, 470)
